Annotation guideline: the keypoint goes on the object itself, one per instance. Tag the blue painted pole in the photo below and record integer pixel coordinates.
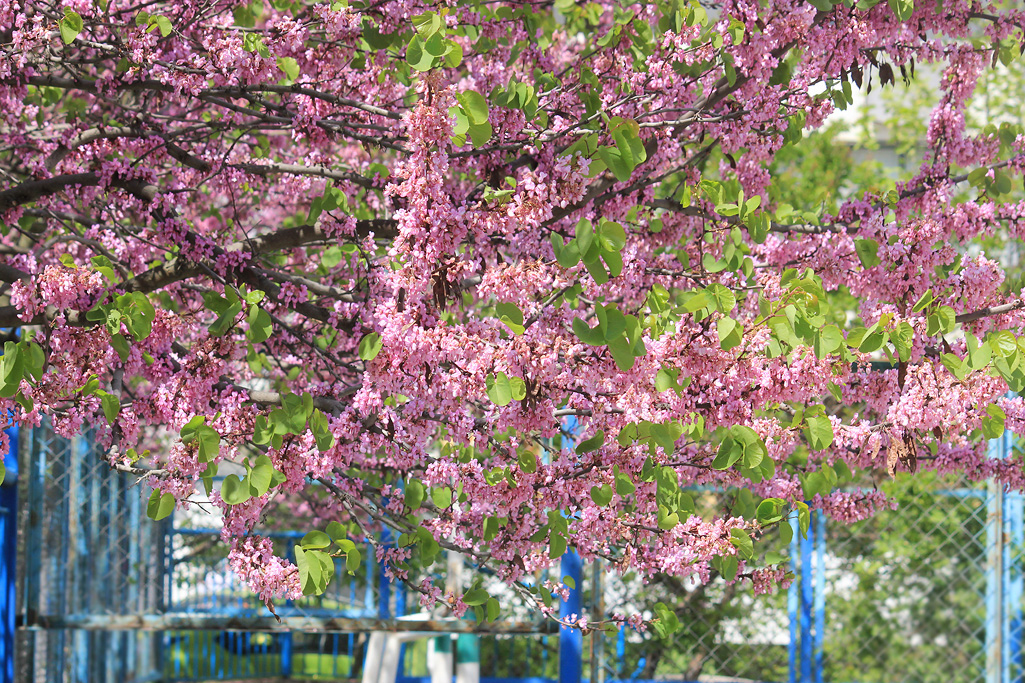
(994, 575)
(571, 640)
(820, 591)
(807, 598)
(793, 596)
(620, 649)
(384, 601)
(1014, 533)
(8, 548)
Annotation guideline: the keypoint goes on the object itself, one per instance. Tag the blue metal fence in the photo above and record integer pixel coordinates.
(87, 554)
(8, 559)
(92, 563)
(199, 582)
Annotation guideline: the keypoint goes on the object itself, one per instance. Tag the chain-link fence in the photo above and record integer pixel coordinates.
(200, 582)
(929, 592)
(86, 553)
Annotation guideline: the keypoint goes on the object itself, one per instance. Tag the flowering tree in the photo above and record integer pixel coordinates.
(397, 252)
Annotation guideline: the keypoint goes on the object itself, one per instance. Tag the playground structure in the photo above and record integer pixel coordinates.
(101, 593)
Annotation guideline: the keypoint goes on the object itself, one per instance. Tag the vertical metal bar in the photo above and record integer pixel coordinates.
(793, 596)
(620, 650)
(597, 614)
(1016, 589)
(807, 598)
(820, 591)
(8, 558)
(571, 639)
(30, 586)
(384, 592)
(1014, 585)
(994, 576)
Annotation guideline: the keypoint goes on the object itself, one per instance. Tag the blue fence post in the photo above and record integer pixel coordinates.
(8, 558)
(571, 640)
(806, 603)
(807, 598)
(1014, 535)
(995, 584)
(793, 596)
(820, 590)
(384, 584)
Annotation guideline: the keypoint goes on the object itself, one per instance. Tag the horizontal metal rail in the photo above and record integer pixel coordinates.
(203, 622)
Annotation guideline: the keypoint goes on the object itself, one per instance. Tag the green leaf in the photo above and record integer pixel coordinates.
(290, 67)
(819, 432)
(321, 432)
(160, 22)
(596, 441)
(427, 24)
(622, 353)
(441, 497)
(725, 300)
(731, 333)
(556, 546)
(225, 320)
(261, 475)
(111, 407)
(260, 325)
(233, 492)
(417, 56)
(475, 106)
(902, 9)
(741, 540)
(511, 315)
(370, 346)
(159, 506)
(480, 134)
(955, 365)
(726, 566)
(769, 511)
(315, 539)
(415, 491)
(867, 251)
(613, 159)
(593, 336)
(601, 495)
(120, 344)
(611, 236)
(70, 25)
(993, 422)
(979, 354)
(35, 359)
(665, 623)
(947, 319)
(493, 609)
(667, 520)
(624, 487)
(499, 388)
(352, 560)
(786, 532)
(923, 301)
(730, 451)
(828, 340)
(475, 596)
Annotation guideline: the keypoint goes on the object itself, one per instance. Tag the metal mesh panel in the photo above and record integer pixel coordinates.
(200, 581)
(86, 551)
(906, 590)
(928, 592)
